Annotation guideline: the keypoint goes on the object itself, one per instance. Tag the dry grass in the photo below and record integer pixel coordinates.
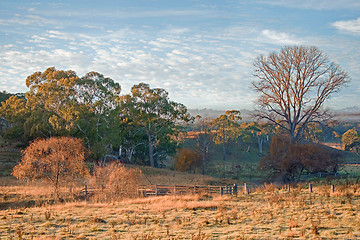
(268, 213)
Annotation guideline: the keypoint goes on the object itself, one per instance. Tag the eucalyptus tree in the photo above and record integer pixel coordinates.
(152, 111)
(51, 101)
(97, 97)
(227, 129)
(59, 103)
(13, 114)
(350, 139)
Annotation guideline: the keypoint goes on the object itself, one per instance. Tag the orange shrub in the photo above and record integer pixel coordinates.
(55, 160)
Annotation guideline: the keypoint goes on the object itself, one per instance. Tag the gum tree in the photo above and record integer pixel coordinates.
(156, 115)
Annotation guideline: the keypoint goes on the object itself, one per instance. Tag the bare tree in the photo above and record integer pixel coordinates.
(293, 85)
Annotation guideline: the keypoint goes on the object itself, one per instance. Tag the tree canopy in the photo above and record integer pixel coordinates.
(350, 139)
(293, 85)
(54, 159)
(226, 129)
(157, 116)
(60, 103)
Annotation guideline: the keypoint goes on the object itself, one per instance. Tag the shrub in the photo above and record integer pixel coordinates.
(289, 160)
(115, 181)
(187, 159)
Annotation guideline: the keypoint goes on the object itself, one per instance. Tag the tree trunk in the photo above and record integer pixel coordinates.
(260, 142)
(204, 151)
(224, 151)
(120, 151)
(151, 151)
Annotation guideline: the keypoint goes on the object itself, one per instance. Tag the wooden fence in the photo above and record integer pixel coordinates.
(87, 191)
(161, 190)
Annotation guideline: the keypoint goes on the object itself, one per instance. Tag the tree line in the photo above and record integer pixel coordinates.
(141, 125)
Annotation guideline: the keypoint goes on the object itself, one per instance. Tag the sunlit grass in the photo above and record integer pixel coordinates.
(267, 213)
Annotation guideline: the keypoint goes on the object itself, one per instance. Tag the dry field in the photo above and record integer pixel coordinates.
(266, 213)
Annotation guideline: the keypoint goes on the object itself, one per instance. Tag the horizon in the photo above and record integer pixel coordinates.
(201, 53)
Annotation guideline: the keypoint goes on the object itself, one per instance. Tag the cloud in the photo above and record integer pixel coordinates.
(278, 38)
(28, 20)
(131, 14)
(201, 63)
(315, 4)
(352, 26)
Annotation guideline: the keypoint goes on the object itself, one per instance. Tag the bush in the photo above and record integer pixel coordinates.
(290, 160)
(115, 182)
(187, 159)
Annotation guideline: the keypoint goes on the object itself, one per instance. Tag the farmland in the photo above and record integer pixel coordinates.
(29, 210)
(266, 213)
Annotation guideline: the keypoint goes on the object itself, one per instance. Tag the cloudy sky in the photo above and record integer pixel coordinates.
(201, 52)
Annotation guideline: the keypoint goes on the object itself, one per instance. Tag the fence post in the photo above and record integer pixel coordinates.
(333, 188)
(86, 191)
(221, 191)
(311, 187)
(174, 189)
(195, 189)
(289, 188)
(246, 191)
(156, 190)
(235, 189)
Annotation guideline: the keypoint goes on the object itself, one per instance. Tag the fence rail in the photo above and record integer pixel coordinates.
(161, 190)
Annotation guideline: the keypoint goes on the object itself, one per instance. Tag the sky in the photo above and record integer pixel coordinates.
(201, 52)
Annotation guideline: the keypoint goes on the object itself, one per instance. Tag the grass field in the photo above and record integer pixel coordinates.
(267, 213)
(30, 210)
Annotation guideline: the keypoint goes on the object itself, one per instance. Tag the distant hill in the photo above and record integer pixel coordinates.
(345, 114)
(348, 114)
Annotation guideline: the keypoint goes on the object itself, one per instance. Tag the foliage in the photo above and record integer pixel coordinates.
(293, 85)
(4, 96)
(257, 132)
(226, 129)
(55, 160)
(51, 102)
(157, 116)
(350, 139)
(187, 160)
(14, 112)
(97, 99)
(289, 160)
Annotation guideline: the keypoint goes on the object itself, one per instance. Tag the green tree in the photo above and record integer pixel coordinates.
(257, 132)
(52, 102)
(293, 86)
(97, 99)
(350, 139)
(153, 112)
(15, 113)
(59, 103)
(226, 129)
(4, 96)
